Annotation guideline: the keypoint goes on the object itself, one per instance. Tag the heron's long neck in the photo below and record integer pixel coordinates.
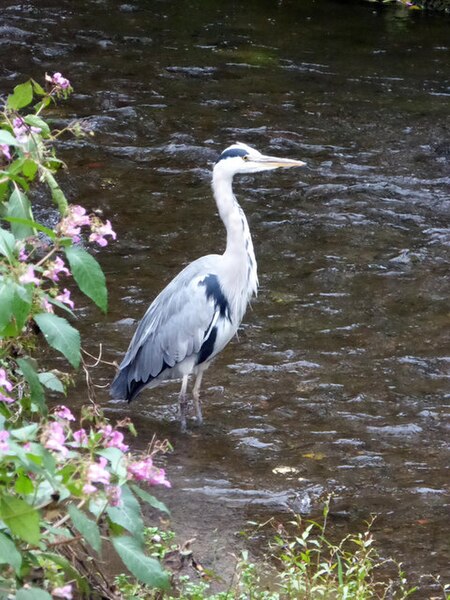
(239, 251)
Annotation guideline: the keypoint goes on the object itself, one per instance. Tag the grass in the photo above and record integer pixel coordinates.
(300, 564)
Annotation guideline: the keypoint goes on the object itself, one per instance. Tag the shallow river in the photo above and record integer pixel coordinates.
(341, 372)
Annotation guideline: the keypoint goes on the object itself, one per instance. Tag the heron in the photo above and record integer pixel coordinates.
(200, 310)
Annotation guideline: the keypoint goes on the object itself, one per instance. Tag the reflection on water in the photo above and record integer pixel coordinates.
(339, 381)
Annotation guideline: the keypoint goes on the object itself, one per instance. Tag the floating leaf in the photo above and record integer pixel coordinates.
(61, 336)
(21, 518)
(151, 500)
(9, 554)
(88, 275)
(88, 528)
(314, 455)
(21, 96)
(144, 568)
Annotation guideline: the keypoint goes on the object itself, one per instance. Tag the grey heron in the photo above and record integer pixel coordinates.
(200, 310)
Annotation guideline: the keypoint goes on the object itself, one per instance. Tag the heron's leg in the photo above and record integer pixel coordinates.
(196, 396)
(182, 403)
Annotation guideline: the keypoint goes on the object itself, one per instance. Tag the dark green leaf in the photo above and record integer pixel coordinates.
(32, 378)
(37, 87)
(22, 96)
(33, 224)
(7, 241)
(151, 500)
(32, 593)
(88, 275)
(88, 528)
(145, 569)
(52, 382)
(21, 518)
(19, 206)
(9, 554)
(128, 519)
(61, 336)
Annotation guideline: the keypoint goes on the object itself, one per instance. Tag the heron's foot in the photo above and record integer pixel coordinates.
(182, 410)
(198, 407)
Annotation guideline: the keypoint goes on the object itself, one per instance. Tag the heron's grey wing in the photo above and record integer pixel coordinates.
(176, 324)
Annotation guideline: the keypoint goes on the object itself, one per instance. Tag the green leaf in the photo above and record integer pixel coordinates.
(58, 196)
(29, 168)
(36, 390)
(33, 224)
(8, 138)
(51, 382)
(70, 571)
(35, 121)
(21, 96)
(26, 433)
(15, 306)
(37, 87)
(88, 275)
(151, 500)
(19, 206)
(128, 519)
(7, 241)
(88, 528)
(9, 554)
(24, 485)
(21, 518)
(32, 593)
(61, 336)
(146, 569)
(117, 461)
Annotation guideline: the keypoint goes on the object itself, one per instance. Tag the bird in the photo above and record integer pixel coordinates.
(200, 310)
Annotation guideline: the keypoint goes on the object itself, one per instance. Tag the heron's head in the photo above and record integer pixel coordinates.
(240, 158)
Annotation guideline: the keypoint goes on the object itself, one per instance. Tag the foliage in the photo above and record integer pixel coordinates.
(307, 567)
(64, 488)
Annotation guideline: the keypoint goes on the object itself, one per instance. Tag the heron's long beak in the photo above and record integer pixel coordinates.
(274, 162)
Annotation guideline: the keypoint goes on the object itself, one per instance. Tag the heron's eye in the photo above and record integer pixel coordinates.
(246, 157)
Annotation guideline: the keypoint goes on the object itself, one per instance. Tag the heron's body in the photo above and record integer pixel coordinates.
(200, 310)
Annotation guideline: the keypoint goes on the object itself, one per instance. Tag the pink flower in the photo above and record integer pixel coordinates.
(144, 470)
(46, 305)
(71, 225)
(63, 592)
(23, 255)
(55, 438)
(29, 277)
(60, 81)
(99, 231)
(4, 149)
(6, 399)
(56, 268)
(97, 473)
(80, 437)
(65, 297)
(64, 413)
(4, 381)
(113, 438)
(88, 489)
(4, 446)
(22, 131)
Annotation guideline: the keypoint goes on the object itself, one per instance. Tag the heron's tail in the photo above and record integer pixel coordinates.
(123, 389)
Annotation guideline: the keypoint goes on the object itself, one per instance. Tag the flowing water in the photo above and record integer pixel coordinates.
(339, 381)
